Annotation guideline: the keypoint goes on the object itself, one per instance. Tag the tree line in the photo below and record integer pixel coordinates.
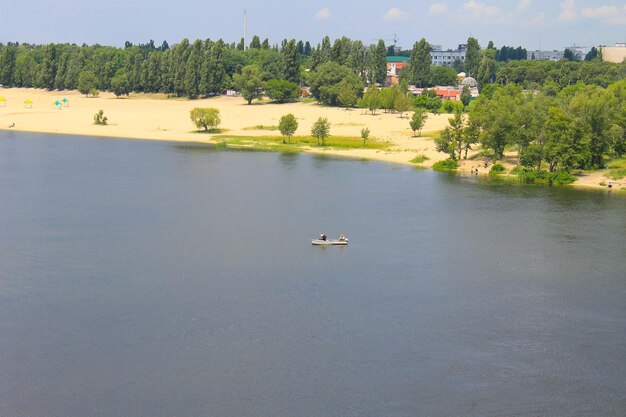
(576, 128)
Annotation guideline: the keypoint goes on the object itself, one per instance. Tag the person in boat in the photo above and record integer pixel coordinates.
(323, 237)
(342, 238)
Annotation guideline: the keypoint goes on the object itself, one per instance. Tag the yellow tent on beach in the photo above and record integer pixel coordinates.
(28, 103)
(3, 101)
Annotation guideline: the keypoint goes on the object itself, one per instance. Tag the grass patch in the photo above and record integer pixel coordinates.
(211, 131)
(616, 174)
(261, 127)
(447, 165)
(419, 159)
(349, 124)
(307, 100)
(429, 135)
(274, 142)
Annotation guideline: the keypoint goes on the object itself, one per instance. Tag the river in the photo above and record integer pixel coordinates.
(143, 278)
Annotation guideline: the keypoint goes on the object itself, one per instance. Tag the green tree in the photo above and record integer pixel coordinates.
(371, 99)
(86, 82)
(567, 141)
(472, 57)
(49, 66)
(346, 96)
(256, 42)
(249, 83)
(487, 70)
(499, 128)
(282, 91)
(378, 63)
(291, 60)
(326, 80)
(451, 139)
(420, 63)
(442, 76)
(8, 58)
(288, 125)
(365, 134)
(596, 108)
(193, 69)
(402, 104)
(321, 130)
(205, 117)
(466, 96)
(471, 135)
(418, 121)
(120, 84)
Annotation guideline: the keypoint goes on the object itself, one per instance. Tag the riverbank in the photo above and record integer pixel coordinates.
(155, 117)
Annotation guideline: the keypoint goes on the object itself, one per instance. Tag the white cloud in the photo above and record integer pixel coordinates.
(438, 8)
(610, 15)
(601, 12)
(568, 11)
(481, 10)
(394, 14)
(523, 5)
(323, 14)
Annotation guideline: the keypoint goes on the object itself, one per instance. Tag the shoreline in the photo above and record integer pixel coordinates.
(154, 117)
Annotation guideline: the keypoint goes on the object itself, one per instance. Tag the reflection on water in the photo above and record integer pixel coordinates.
(155, 279)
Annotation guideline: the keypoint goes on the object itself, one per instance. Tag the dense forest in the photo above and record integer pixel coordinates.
(205, 68)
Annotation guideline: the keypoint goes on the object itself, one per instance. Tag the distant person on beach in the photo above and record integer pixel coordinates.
(610, 185)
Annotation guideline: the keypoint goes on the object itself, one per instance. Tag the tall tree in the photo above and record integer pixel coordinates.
(380, 63)
(49, 66)
(472, 56)
(357, 59)
(8, 56)
(291, 60)
(192, 72)
(421, 61)
(256, 42)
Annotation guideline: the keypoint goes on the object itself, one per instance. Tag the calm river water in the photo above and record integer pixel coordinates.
(153, 279)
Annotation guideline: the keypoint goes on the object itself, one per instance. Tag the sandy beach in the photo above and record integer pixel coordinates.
(153, 117)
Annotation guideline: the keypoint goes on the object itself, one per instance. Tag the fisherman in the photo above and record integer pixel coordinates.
(323, 237)
(342, 238)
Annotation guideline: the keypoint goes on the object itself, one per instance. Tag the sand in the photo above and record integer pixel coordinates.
(153, 117)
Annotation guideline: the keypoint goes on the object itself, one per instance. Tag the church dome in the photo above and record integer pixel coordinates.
(470, 82)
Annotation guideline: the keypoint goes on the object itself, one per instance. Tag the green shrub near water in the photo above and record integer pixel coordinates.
(497, 169)
(533, 176)
(419, 159)
(447, 165)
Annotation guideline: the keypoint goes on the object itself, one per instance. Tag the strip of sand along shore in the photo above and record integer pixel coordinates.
(155, 117)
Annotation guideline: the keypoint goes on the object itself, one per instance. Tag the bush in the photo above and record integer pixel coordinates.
(447, 165)
(533, 176)
(100, 119)
(497, 169)
(450, 106)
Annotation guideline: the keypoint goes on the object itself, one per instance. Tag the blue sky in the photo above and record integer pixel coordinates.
(447, 22)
